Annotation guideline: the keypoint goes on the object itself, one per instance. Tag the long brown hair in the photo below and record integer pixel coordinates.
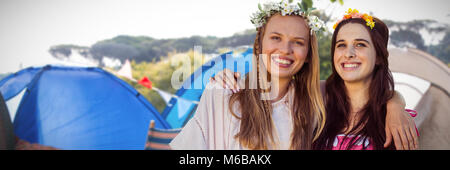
(371, 125)
(308, 114)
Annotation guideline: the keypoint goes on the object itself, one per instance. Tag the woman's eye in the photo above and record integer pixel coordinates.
(275, 38)
(340, 45)
(361, 45)
(299, 43)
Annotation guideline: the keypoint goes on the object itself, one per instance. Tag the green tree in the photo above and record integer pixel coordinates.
(325, 55)
(65, 50)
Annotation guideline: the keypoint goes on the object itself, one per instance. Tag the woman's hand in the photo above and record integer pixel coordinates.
(227, 79)
(399, 125)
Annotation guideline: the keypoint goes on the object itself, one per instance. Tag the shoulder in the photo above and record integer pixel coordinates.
(214, 89)
(214, 101)
(214, 86)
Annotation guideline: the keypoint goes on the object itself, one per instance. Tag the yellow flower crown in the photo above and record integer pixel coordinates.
(355, 14)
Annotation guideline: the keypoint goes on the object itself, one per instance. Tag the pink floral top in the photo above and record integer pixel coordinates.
(341, 142)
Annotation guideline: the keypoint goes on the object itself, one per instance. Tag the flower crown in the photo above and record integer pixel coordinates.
(355, 14)
(284, 7)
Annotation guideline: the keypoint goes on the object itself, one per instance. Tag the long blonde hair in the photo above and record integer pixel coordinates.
(256, 130)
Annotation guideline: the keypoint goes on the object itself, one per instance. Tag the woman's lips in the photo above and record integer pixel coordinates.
(282, 62)
(350, 66)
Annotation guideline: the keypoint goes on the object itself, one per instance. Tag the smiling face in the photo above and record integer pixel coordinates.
(285, 44)
(354, 55)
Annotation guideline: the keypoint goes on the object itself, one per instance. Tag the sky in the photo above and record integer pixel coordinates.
(28, 28)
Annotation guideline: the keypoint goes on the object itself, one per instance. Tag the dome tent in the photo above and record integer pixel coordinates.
(79, 108)
(424, 82)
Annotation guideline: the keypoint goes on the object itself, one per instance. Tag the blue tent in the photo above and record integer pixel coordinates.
(79, 108)
(181, 109)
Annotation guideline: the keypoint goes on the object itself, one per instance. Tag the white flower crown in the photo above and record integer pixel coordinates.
(284, 7)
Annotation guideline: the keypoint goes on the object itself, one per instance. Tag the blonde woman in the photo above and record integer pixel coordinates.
(288, 112)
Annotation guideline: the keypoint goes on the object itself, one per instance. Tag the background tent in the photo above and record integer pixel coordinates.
(79, 108)
(181, 109)
(424, 82)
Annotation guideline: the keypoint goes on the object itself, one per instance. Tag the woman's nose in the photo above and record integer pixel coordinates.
(286, 48)
(350, 53)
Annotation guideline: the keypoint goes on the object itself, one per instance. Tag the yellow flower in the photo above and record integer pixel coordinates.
(335, 25)
(349, 11)
(370, 24)
(352, 11)
(365, 16)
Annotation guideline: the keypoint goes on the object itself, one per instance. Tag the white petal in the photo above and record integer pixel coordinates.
(366, 143)
(360, 142)
(336, 141)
